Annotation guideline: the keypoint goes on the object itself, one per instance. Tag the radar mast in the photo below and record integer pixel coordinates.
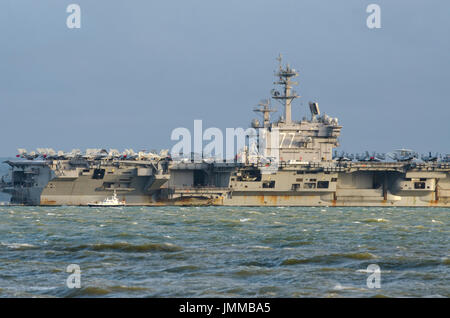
(285, 75)
(264, 108)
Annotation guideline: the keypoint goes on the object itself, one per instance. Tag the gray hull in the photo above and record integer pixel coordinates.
(333, 184)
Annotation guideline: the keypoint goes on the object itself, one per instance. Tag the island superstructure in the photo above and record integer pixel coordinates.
(306, 172)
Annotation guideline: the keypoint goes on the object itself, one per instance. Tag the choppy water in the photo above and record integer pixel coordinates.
(224, 251)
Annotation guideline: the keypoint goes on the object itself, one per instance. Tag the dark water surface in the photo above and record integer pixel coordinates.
(224, 251)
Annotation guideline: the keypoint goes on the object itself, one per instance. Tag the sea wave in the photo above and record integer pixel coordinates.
(19, 246)
(329, 258)
(128, 247)
(376, 220)
(278, 252)
(90, 291)
(242, 273)
(182, 269)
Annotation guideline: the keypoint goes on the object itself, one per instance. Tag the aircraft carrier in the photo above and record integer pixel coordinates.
(295, 165)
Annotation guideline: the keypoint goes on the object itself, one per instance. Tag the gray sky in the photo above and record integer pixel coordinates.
(138, 69)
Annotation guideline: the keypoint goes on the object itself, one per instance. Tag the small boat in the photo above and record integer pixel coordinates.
(109, 202)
